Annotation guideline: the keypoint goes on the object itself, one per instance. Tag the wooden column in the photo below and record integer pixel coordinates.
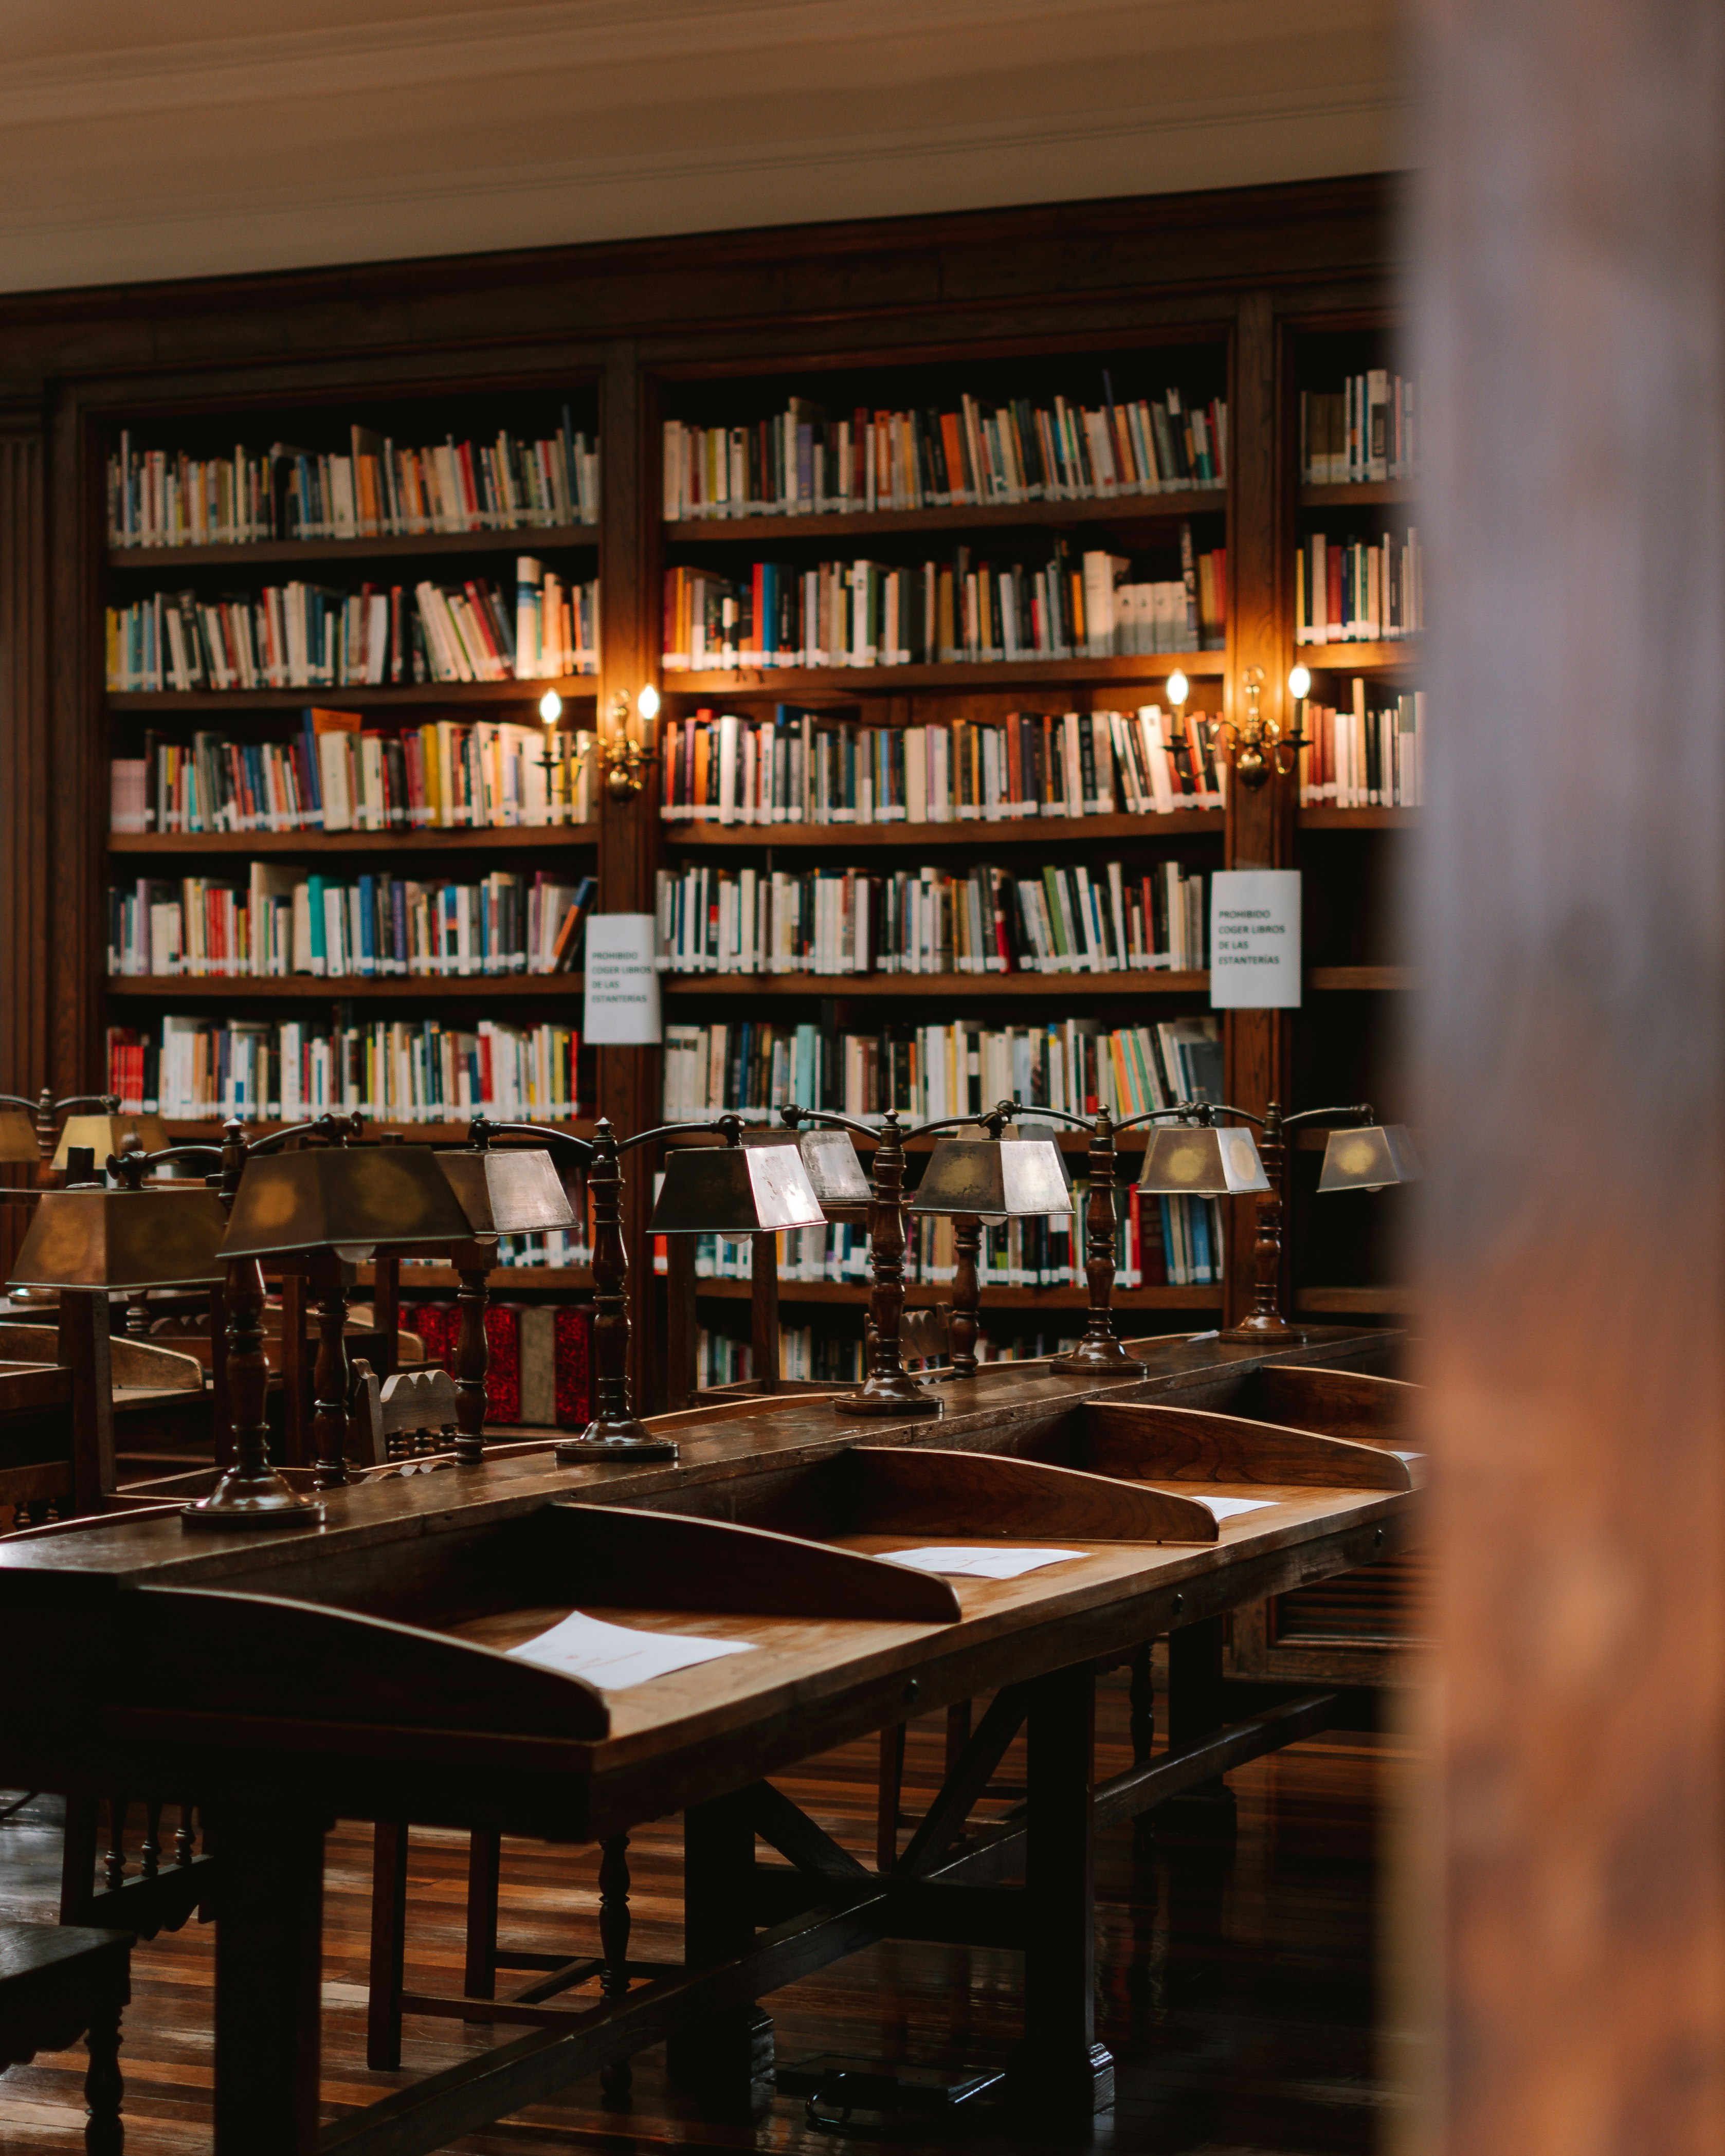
(629, 628)
(26, 752)
(1257, 1045)
(1570, 913)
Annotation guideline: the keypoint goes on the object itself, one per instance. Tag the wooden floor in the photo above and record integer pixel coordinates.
(1238, 1987)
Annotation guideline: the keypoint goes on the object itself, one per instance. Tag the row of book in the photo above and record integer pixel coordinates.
(1158, 1243)
(308, 636)
(753, 1067)
(415, 1070)
(836, 1359)
(539, 1373)
(967, 610)
(1062, 918)
(802, 461)
(1359, 758)
(286, 921)
(803, 767)
(341, 775)
(1358, 591)
(1368, 429)
(379, 490)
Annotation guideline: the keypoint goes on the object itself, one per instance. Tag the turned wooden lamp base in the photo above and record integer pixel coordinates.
(896, 1394)
(1263, 1332)
(631, 1441)
(258, 1499)
(1099, 1359)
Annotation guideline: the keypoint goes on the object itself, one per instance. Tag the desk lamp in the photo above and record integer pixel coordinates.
(1203, 1161)
(1099, 1352)
(991, 1179)
(86, 1241)
(889, 1389)
(334, 1202)
(757, 1185)
(40, 1140)
(513, 1192)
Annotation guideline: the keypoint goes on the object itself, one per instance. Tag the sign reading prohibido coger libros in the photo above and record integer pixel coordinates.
(1255, 939)
(622, 1008)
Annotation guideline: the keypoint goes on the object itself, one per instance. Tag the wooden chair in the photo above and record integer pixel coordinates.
(58, 1983)
(407, 1417)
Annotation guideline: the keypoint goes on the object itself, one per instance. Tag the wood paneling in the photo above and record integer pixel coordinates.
(1570, 916)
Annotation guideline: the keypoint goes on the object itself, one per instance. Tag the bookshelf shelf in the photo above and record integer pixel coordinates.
(1119, 509)
(200, 1132)
(1362, 494)
(144, 701)
(973, 675)
(1321, 816)
(312, 988)
(1356, 1301)
(1053, 987)
(993, 1298)
(1360, 658)
(1010, 831)
(526, 541)
(1360, 977)
(507, 838)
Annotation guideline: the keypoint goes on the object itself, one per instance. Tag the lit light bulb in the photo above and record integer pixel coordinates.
(1178, 688)
(550, 707)
(647, 703)
(1300, 683)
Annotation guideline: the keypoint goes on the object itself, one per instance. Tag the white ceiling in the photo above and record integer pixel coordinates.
(145, 140)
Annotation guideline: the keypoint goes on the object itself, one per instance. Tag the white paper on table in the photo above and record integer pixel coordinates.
(615, 1656)
(979, 1563)
(1224, 1508)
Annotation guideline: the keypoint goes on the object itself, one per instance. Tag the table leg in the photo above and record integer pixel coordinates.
(1059, 2067)
(1196, 1704)
(269, 1981)
(726, 2059)
(389, 1912)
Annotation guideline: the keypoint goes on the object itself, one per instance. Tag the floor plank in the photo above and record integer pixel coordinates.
(1237, 1987)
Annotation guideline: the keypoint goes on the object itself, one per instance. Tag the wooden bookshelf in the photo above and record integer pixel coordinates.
(341, 988)
(1009, 831)
(1050, 987)
(535, 838)
(922, 1294)
(1113, 509)
(412, 547)
(1217, 288)
(1322, 816)
(1356, 1301)
(202, 1132)
(980, 674)
(443, 1280)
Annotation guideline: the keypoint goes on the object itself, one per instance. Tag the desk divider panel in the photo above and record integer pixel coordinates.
(901, 1489)
(1190, 1445)
(1340, 1403)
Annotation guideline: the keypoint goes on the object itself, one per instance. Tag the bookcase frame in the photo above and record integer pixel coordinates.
(1250, 265)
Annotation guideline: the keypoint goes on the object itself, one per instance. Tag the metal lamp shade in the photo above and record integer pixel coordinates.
(734, 1190)
(1010, 1178)
(105, 1134)
(507, 1192)
(123, 1239)
(1189, 1162)
(18, 1138)
(338, 1198)
(1369, 1159)
(835, 1173)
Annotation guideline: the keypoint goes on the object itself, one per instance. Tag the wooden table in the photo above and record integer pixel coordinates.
(286, 1680)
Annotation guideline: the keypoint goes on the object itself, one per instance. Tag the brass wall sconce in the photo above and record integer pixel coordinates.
(1259, 746)
(628, 757)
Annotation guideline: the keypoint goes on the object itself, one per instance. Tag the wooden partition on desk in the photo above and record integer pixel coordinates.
(1571, 911)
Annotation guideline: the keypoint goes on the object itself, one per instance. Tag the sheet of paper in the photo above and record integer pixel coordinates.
(1255, 939)
(1223, 1508)
(980, 1564)
(615, 1656)
(622, 994)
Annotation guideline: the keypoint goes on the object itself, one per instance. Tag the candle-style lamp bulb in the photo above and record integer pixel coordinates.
(647, 703)
(1300, 683)
(1178, 688)
(550, 707)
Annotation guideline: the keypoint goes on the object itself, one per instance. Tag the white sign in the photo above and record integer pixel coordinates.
(1255, 939)
(622, 980)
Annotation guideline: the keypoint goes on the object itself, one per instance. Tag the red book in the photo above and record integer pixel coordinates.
(574, 1366)
(503, 1373)
(435, 1324)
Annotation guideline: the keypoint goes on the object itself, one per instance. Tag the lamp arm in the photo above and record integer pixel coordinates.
(11, 1101)
(729, 1126)
(330, 1127)
(1152, 1114)
(481, 1132)
(1360, 1112)
(110, 1101)
(208, 1155)
(792, 1114)
(1003, 1112)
